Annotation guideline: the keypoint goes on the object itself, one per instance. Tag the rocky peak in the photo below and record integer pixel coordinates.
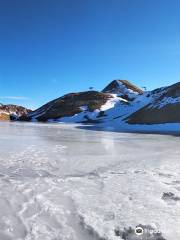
(123, 88)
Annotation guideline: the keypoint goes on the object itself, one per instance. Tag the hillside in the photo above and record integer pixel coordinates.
(162, 109)
(11, 111)
(69, 105)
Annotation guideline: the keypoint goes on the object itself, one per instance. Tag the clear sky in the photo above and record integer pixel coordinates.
(52, 47)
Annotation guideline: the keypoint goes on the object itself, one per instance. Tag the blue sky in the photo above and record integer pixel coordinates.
(52, 47)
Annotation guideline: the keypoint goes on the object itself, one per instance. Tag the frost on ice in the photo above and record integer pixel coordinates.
(66, 183)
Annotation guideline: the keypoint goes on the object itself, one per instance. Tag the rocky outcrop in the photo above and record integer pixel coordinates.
(123, 88)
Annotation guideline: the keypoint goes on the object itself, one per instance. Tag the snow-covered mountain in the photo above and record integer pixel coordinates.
(10, 111)
(90, 106)
(120, 102)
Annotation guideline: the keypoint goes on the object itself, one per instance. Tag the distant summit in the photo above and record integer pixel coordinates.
(123, 88)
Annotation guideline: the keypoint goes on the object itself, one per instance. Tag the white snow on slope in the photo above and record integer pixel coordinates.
(110, 104)
(166, 101)
(123, 89)
(115, 107)
(62, 182)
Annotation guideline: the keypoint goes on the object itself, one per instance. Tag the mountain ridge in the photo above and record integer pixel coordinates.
(120, 102)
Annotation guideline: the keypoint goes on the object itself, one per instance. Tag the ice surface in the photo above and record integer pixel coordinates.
(61, 182)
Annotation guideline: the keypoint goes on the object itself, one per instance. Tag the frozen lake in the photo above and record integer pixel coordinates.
(59, 182)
